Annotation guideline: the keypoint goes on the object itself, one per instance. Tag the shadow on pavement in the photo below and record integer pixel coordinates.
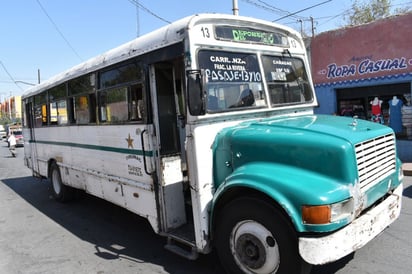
(115, 232)
(119, 234)
(407, 192)
(332, 267)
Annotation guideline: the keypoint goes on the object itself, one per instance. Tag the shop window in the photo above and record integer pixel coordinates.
(352, 108)
(359, 101)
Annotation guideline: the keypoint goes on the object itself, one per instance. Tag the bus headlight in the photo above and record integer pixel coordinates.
(325, 214)
(342, 210)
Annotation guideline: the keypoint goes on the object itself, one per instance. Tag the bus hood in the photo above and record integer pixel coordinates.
(316, 143)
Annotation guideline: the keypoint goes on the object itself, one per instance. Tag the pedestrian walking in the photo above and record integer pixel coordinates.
(12, 144)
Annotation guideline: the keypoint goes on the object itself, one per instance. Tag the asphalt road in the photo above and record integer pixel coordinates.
(89, 235)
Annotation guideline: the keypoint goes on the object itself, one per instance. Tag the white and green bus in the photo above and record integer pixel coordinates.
(205, 127)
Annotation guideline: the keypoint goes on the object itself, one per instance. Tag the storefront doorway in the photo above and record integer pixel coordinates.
(357, 101)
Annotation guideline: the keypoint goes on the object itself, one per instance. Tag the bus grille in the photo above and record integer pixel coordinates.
(376, 159)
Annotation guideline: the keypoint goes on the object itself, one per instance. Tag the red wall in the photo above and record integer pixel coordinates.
(371, 50)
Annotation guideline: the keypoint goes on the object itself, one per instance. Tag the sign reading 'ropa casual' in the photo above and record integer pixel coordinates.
(362, 52)
(366, 67)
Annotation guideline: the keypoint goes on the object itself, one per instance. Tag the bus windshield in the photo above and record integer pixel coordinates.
(234, 80)
(287, 80)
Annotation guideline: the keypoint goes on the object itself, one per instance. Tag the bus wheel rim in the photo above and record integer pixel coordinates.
(254, 247)
(56, 182)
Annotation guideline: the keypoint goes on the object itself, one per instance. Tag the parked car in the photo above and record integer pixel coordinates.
(19, 138)
(3, 133)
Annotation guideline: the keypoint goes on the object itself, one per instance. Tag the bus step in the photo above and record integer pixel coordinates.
(181, 249)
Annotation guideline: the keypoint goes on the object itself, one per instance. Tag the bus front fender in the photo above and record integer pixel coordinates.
(287, 186)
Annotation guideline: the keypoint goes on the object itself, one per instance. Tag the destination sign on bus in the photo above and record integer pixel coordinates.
(237, 34)
(221, 66)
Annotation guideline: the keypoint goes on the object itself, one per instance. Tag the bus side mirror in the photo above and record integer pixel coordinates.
(195, 94)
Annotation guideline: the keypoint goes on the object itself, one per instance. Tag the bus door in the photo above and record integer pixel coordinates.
(30, 150)
(170, 138)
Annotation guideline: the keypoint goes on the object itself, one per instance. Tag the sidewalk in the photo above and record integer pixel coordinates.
(407, 169)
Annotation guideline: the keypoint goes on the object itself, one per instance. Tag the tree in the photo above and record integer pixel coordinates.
(368, 11)
(402, 10)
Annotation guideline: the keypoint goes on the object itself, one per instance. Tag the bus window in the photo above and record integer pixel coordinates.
(136, 106)
(92, 108)
(81, 110)
(234, 80)
(124, 73)
(82, 105)
(40, 115)
(58, 113)
(287, 80)
(113, 105)
(40, 110)
(82, 85)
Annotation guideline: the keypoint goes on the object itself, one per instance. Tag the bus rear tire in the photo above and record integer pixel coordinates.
(61, 192)
(254, 237)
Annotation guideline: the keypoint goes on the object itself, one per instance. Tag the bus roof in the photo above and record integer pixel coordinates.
(162, 37)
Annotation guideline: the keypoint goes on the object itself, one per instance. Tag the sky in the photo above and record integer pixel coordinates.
(46, 37)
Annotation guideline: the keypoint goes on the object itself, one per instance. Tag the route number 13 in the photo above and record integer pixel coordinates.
(205, 32)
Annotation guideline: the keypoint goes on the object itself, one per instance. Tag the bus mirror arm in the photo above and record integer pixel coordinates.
(182, 120)
(195, 92)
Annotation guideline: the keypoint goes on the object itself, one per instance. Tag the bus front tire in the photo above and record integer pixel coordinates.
(254, 237)
(61, 192)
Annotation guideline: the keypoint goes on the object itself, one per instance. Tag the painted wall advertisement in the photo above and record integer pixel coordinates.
(373, 50)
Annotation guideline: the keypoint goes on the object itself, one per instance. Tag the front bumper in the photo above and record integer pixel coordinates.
(322, 250)
(19, 143)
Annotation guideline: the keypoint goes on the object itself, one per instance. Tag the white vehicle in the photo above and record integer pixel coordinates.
(205, 127)
(3, 133)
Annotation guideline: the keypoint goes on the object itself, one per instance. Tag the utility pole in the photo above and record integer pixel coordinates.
(313, 27)
(137, 20)
(235, 8)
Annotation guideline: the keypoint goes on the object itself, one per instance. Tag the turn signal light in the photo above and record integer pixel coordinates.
(316, 214)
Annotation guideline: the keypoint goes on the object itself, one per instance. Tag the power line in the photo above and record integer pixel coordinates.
(285, 14)
(137, 22)
(283, 11)
(270, 8)
(330, 18)
(136, 3)
(8, 73)
(58, 30)
(302, 10)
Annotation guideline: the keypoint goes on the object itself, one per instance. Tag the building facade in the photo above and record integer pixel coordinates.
(366, 71)
(10, 109)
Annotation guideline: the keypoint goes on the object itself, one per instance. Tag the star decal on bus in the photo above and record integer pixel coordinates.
(129, 141)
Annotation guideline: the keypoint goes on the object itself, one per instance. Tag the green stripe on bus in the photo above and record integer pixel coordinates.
(94, 147)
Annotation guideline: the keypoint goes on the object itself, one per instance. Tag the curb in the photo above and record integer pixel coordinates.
(407, 169)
